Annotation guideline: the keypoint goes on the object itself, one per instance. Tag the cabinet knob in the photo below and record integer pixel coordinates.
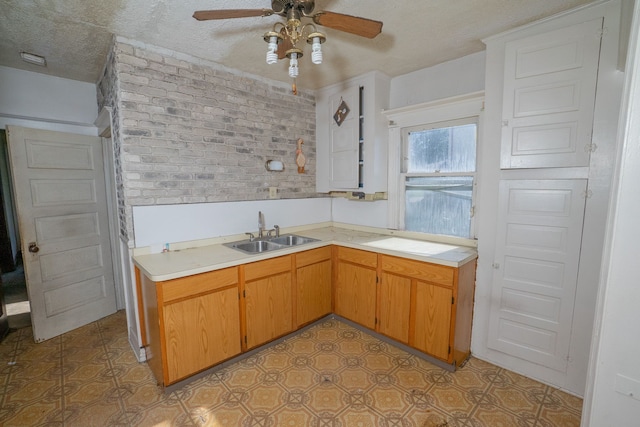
(33, 248)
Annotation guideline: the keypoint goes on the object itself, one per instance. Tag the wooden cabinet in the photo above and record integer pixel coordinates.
(395, 307)
(191, 323)
(427, 306)
(355, 285)
(313, 285)
(267, 300)
(201, 331)
(432, 320)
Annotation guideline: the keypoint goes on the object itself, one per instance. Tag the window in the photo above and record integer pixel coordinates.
(438, 175)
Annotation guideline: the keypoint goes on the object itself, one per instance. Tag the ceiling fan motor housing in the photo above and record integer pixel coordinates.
(281, 7)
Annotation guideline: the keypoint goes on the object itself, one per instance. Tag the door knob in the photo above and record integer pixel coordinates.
(33, 247)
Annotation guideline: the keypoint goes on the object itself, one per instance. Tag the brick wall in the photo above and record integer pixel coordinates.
(108, 95)
(190, 131)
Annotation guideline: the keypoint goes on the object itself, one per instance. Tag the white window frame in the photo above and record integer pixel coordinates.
(434, 112)
(404, 174)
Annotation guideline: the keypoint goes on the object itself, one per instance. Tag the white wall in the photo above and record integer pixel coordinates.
(613, 399)
(45, 102)
(458, 77)
(159, 224)
(367, 214)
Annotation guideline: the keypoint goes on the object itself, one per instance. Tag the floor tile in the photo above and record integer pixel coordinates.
(330, 375)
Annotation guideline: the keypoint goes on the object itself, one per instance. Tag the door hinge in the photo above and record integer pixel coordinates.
(377, 279)
(245, 340)
(453, 300)
(472, 212)
(244, 294)
(375, 321)
(449, 352)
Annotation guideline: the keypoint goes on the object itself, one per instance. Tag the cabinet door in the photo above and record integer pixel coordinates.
(268, 308)
(395, 306)
(344, 140)
(549, 97)
(313, 291)
(355, 297)
(200, 332)
(433, 319)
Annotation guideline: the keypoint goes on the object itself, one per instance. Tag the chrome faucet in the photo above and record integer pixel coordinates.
(261, 226)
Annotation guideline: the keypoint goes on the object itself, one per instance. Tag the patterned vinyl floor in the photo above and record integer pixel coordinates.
(330, 375)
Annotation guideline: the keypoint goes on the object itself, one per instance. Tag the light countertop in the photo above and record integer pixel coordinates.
(186, 262)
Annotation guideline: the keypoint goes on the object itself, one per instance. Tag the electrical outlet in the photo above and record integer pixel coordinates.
(273, 192)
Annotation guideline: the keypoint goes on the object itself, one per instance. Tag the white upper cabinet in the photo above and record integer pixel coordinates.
(344, 138)
(549, 97)
(352, 135)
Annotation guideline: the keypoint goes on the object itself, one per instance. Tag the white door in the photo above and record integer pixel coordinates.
(549, 97)
(536, 269)
(345, 140)
(62, 215)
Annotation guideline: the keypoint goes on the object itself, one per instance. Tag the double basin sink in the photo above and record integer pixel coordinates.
(270, 243)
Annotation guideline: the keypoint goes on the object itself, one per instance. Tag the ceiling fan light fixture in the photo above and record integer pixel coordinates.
(316, 39)
(273, 39)
(283, 39)
(32, 58)
(293, 55)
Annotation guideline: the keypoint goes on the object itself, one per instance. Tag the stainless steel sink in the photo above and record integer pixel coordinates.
(292, 240)
(255, 247)
(269, 244)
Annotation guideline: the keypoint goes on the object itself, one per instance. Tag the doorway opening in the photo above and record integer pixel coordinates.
(14, 287)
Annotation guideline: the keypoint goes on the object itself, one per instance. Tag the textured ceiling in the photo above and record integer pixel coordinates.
(74, 35)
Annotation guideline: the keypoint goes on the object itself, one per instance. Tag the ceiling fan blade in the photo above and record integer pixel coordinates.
(206, 15)
(351, 24)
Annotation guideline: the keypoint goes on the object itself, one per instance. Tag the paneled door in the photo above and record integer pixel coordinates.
(549, 97)
(536, 269)
(62, 215)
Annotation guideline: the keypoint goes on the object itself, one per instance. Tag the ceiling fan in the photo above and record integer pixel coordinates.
(283, 39)
(301, 8)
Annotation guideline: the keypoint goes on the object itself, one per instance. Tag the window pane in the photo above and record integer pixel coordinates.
(439, 205)
(449, 149)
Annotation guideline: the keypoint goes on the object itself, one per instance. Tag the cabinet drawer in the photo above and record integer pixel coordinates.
(267, 267)
(200, 283)
(356, 256)
(433, 273)
(313, 256)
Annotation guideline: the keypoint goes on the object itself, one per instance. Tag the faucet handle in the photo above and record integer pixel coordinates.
(251, 236)
(276, 230)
